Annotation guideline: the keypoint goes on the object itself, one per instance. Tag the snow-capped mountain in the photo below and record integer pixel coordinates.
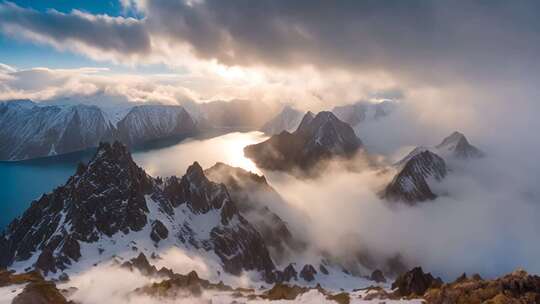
(147, 122)
(318, 137)
(457, 146)
(30, 130)
(416, 172)
(111, 207)
(287, 120)
(361, 111)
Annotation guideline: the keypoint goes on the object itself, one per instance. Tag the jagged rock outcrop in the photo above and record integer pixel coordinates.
(516, 287)
(285, 275)
(181, 287)
(377, 276)
(287, 120)
(109, 203)
(36, 290)
(308, 273)
(415, 282)
(456, 145)
(317, 138)
(411, 183)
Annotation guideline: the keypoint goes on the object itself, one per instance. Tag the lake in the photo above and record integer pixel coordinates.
(24, 181)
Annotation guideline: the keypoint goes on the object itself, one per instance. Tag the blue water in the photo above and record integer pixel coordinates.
(24, 181)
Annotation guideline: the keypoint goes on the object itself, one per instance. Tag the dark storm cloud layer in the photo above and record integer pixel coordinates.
(116, 34)
(423, 37)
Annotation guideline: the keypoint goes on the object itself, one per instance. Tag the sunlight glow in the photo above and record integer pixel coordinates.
(174, 160)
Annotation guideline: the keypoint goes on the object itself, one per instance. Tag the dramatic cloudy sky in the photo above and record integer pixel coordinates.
(462, 64)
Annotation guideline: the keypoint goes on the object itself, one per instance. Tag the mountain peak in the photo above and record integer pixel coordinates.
(318, 137)
(455, 137)
(195, 172)
(306, 120)
(114, 151)
(457, 145)
(410, 184)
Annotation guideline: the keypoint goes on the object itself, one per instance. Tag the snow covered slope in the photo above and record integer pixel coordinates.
(416, 171)
(30, 130)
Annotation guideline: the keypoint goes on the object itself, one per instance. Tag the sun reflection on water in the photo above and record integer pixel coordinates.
(174, 160)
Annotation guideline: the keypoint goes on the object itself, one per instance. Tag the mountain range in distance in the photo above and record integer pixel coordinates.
(31, 130)
(39, 129)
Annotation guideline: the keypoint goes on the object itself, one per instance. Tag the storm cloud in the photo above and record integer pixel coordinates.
(421, 39)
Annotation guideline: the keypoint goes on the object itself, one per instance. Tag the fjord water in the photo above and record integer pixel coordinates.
(24, 181)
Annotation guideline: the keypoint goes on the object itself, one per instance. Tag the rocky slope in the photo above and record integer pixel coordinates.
(111, 207)
(287, 120)
(317, 138)
(30, 130)
(255, 200)
(415, 172)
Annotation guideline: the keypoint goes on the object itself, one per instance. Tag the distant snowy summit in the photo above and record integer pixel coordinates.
(411, 183)
(456, 145)
(29, 130)
(426, 165)
(318, 137)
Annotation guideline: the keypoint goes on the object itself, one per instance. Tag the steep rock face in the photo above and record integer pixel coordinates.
(317, 138)
(113, 208)
(255, 198)
(28, 130)
(411, 183)
(287, 120)
(456, 145)
(149, 122)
